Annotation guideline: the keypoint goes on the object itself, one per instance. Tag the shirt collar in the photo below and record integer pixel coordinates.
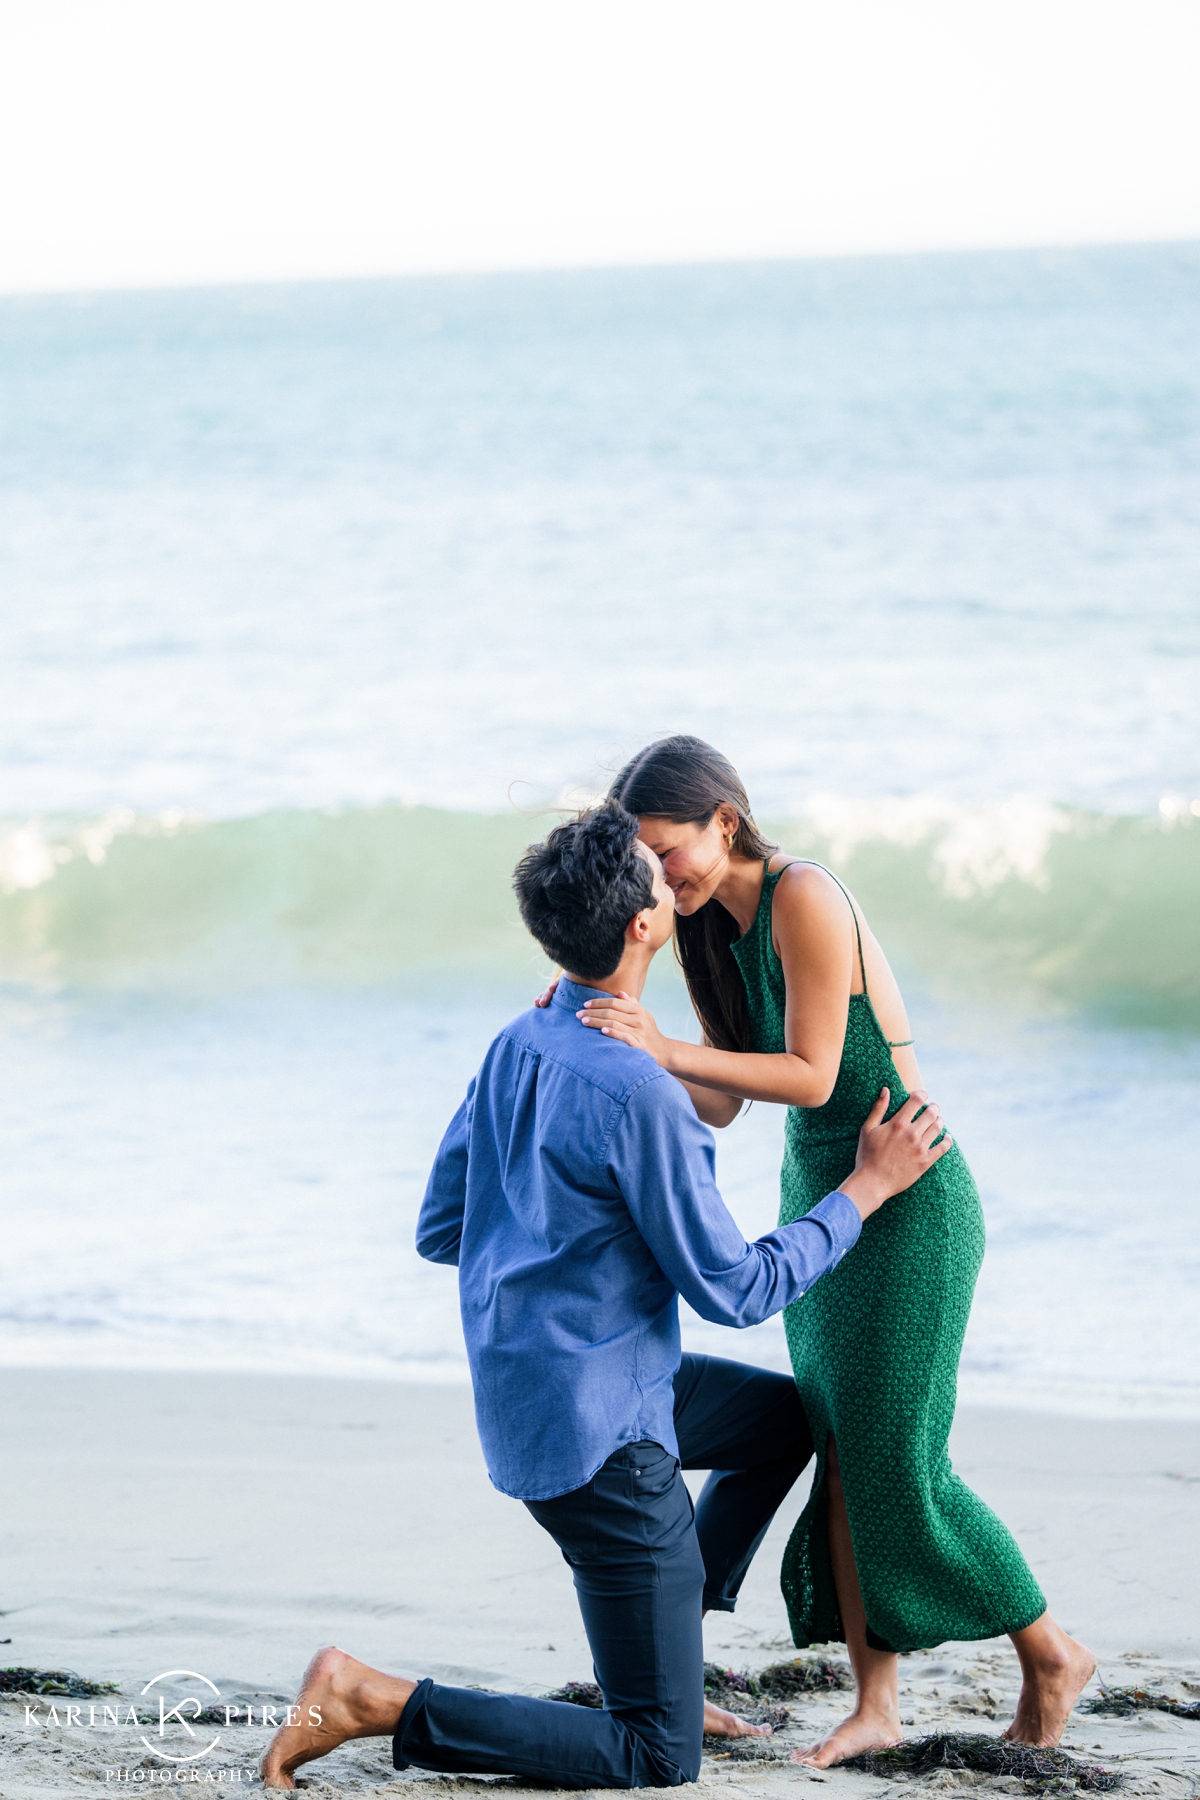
(572, 994)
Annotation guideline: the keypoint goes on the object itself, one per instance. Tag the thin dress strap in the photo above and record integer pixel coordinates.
(892, 1043)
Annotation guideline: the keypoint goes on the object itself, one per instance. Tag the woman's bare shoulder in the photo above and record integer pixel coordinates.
(808, 898)
(805, 883)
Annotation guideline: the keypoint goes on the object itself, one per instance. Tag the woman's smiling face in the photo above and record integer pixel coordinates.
(694, 857)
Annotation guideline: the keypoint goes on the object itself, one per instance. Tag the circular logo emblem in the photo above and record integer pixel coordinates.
(184, 1710)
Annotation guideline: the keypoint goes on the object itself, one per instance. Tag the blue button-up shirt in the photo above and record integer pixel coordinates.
(575, 1191)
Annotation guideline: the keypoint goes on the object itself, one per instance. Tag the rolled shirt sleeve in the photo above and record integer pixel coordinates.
(662, 1159)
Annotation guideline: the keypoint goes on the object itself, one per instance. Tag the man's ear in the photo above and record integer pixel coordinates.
(638, 928)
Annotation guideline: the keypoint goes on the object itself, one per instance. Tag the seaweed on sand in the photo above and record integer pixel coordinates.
(724, 1684)
(52, 1681)
(578, 1693)
(804, 1675)
(1040, 1770)
(779, 1681)
(737, 1688)
(1121, 1701)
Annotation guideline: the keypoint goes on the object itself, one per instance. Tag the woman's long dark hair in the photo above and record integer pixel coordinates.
(685, 780)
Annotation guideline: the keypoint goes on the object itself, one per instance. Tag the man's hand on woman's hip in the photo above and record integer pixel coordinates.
(892, 1156)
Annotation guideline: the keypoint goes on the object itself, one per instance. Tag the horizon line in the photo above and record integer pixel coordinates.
(469, 271)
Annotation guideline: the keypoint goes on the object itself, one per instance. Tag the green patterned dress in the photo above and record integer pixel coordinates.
(875, 1347)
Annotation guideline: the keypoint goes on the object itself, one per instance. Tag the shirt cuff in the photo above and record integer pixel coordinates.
(841, 1219)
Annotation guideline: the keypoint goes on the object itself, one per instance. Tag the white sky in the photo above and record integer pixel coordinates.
(149, 141)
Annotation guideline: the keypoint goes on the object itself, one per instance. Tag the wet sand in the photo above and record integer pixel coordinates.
(230, 1524)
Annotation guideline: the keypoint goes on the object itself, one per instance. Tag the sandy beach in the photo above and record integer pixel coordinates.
(229, 1524)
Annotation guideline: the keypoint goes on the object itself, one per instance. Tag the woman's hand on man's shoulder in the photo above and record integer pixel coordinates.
(621, 1017)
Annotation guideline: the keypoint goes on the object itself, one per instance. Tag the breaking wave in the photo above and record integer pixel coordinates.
(1048, 904)
(1044, 904)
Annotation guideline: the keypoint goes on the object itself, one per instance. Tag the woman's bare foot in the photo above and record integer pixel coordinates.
(865, 1729)
(719, 1723)
(339, 1698)
(1055, 1673)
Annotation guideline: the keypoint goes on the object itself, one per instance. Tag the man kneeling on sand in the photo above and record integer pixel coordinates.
(574, 1190)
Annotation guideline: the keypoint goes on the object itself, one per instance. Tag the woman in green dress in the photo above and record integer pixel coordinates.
(798, 1006)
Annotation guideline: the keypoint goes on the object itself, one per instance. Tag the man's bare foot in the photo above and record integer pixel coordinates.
(1049, 1691)
(719, 1723)
(862, 1731)
(339, 1698)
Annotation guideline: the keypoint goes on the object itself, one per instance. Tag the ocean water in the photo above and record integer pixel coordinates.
(318, 599)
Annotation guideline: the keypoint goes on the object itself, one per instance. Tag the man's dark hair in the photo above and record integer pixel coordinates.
(579, 890)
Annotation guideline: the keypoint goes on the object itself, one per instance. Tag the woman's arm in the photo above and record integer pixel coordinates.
(814, 932)
(712, 1107)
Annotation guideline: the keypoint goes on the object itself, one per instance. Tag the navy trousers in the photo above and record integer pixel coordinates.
(645, 1566)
